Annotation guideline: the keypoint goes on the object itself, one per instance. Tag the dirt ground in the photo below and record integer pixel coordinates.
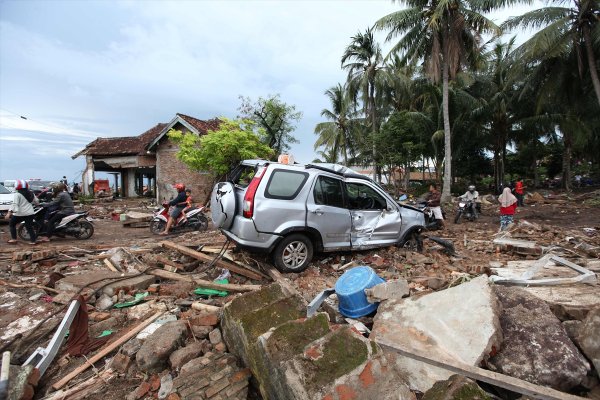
(549, 223)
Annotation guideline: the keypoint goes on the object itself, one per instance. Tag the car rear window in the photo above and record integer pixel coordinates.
(285, 185)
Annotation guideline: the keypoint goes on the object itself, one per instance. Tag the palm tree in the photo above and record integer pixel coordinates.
(564, 30)
(336, 135)
(445, 36)
(364, 61)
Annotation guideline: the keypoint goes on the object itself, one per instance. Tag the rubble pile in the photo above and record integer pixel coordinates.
(192, 317)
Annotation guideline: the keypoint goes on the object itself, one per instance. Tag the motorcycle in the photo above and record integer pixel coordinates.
(431, 224)
(466, 209)
(78, 225)
(192, 219)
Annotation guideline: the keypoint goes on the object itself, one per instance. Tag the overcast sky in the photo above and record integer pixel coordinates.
(77, 70)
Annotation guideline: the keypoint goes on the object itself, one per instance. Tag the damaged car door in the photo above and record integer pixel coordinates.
(375, 221)
(327, 213)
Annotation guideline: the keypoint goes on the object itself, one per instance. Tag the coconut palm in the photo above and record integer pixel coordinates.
(364, 61)
(336, 134)
(564, 30)
(445, 36)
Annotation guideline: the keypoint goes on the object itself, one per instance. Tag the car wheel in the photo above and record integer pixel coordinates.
(293, 253)
(157, 226)
(413, 242)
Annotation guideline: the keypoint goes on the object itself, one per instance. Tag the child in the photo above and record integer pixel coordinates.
(188, 204)
(508, 206)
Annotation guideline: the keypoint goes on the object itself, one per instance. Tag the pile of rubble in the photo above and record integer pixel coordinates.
(197, 319)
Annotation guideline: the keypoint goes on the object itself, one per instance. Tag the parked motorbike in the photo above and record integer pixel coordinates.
(192, 219)
(77, 225)
(466, 209)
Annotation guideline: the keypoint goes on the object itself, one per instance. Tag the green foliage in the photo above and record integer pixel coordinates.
(275, 118)
(220, 150)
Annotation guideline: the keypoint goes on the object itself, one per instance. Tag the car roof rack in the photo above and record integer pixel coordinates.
(338, 170)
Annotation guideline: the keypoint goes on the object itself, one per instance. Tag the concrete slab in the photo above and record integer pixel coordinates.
(95, 279)
(460, 324)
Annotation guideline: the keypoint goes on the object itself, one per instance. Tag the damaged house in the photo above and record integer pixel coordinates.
(148, 162)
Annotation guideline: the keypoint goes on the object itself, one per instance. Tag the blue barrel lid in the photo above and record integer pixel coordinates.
(356, 280)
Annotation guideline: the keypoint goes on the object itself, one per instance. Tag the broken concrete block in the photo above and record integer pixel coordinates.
(188, 353)
(201, 332)
(524, 247)
(159, 345)
(215, 336)
(104, 302)
(461, 324)
(73, 283)
(396, 289)
(536, 347)
(19, 386)
(456, 388)
(589, 338)
(121, 363)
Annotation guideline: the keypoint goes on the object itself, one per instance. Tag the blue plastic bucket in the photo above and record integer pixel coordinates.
(350, 289)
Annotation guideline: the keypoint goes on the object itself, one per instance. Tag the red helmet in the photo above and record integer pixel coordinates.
(21, 184)
(179, 186)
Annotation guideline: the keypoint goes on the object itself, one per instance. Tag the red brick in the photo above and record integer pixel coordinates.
(34, 377)
(240, 375)
(366, 376)
(205, 320)
(121, 363)
(141, 390)
(99, 316)
(220, 347)
(327, 397)
(154, 382)
(345, 392)
(217, 387)
(313, 352)
(173, 396)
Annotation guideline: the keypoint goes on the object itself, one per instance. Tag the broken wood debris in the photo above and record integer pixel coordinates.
(203, 283)
(238, 269)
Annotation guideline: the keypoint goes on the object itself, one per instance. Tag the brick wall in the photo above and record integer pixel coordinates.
(169, 170)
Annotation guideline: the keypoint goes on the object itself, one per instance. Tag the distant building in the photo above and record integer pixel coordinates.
(148, 160)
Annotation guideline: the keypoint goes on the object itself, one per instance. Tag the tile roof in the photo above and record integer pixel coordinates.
(117, 146)
(201, 126)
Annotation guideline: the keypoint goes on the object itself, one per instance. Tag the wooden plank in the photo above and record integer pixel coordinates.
(493, 378)
(83, 389)
(206, 284)
(110, 265)
(221, 263)
(20, 285)
(165, 261)
(106, 350)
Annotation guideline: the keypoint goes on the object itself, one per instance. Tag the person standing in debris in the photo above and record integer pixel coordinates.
(519, 192)
(508, 206)
(433, 199)
(22, 210)
(65, 204)
(177, 205)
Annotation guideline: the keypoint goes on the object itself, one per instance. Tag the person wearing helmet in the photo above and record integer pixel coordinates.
(22, 210)
(63, 201)
(177, 205)
(473, 196)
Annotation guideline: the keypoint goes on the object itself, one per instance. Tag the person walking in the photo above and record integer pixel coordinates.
(22, 210)
(508, 206)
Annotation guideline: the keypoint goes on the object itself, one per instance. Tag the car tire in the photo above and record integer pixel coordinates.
(413, 242)
(293, 253)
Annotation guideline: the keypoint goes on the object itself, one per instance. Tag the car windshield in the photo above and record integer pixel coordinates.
(4, 190)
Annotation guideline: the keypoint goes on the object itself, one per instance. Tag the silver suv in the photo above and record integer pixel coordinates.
(290, 211)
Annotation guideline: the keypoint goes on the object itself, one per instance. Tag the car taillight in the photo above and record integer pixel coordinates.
(248, 207)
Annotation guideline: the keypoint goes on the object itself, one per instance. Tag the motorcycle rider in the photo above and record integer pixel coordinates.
(433, 199)
(65, 204)
(473, 196)
(177, 205)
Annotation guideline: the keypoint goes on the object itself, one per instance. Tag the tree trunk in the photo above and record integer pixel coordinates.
(566, 173)
(373, 119)
(447, 142)
(591, 61)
